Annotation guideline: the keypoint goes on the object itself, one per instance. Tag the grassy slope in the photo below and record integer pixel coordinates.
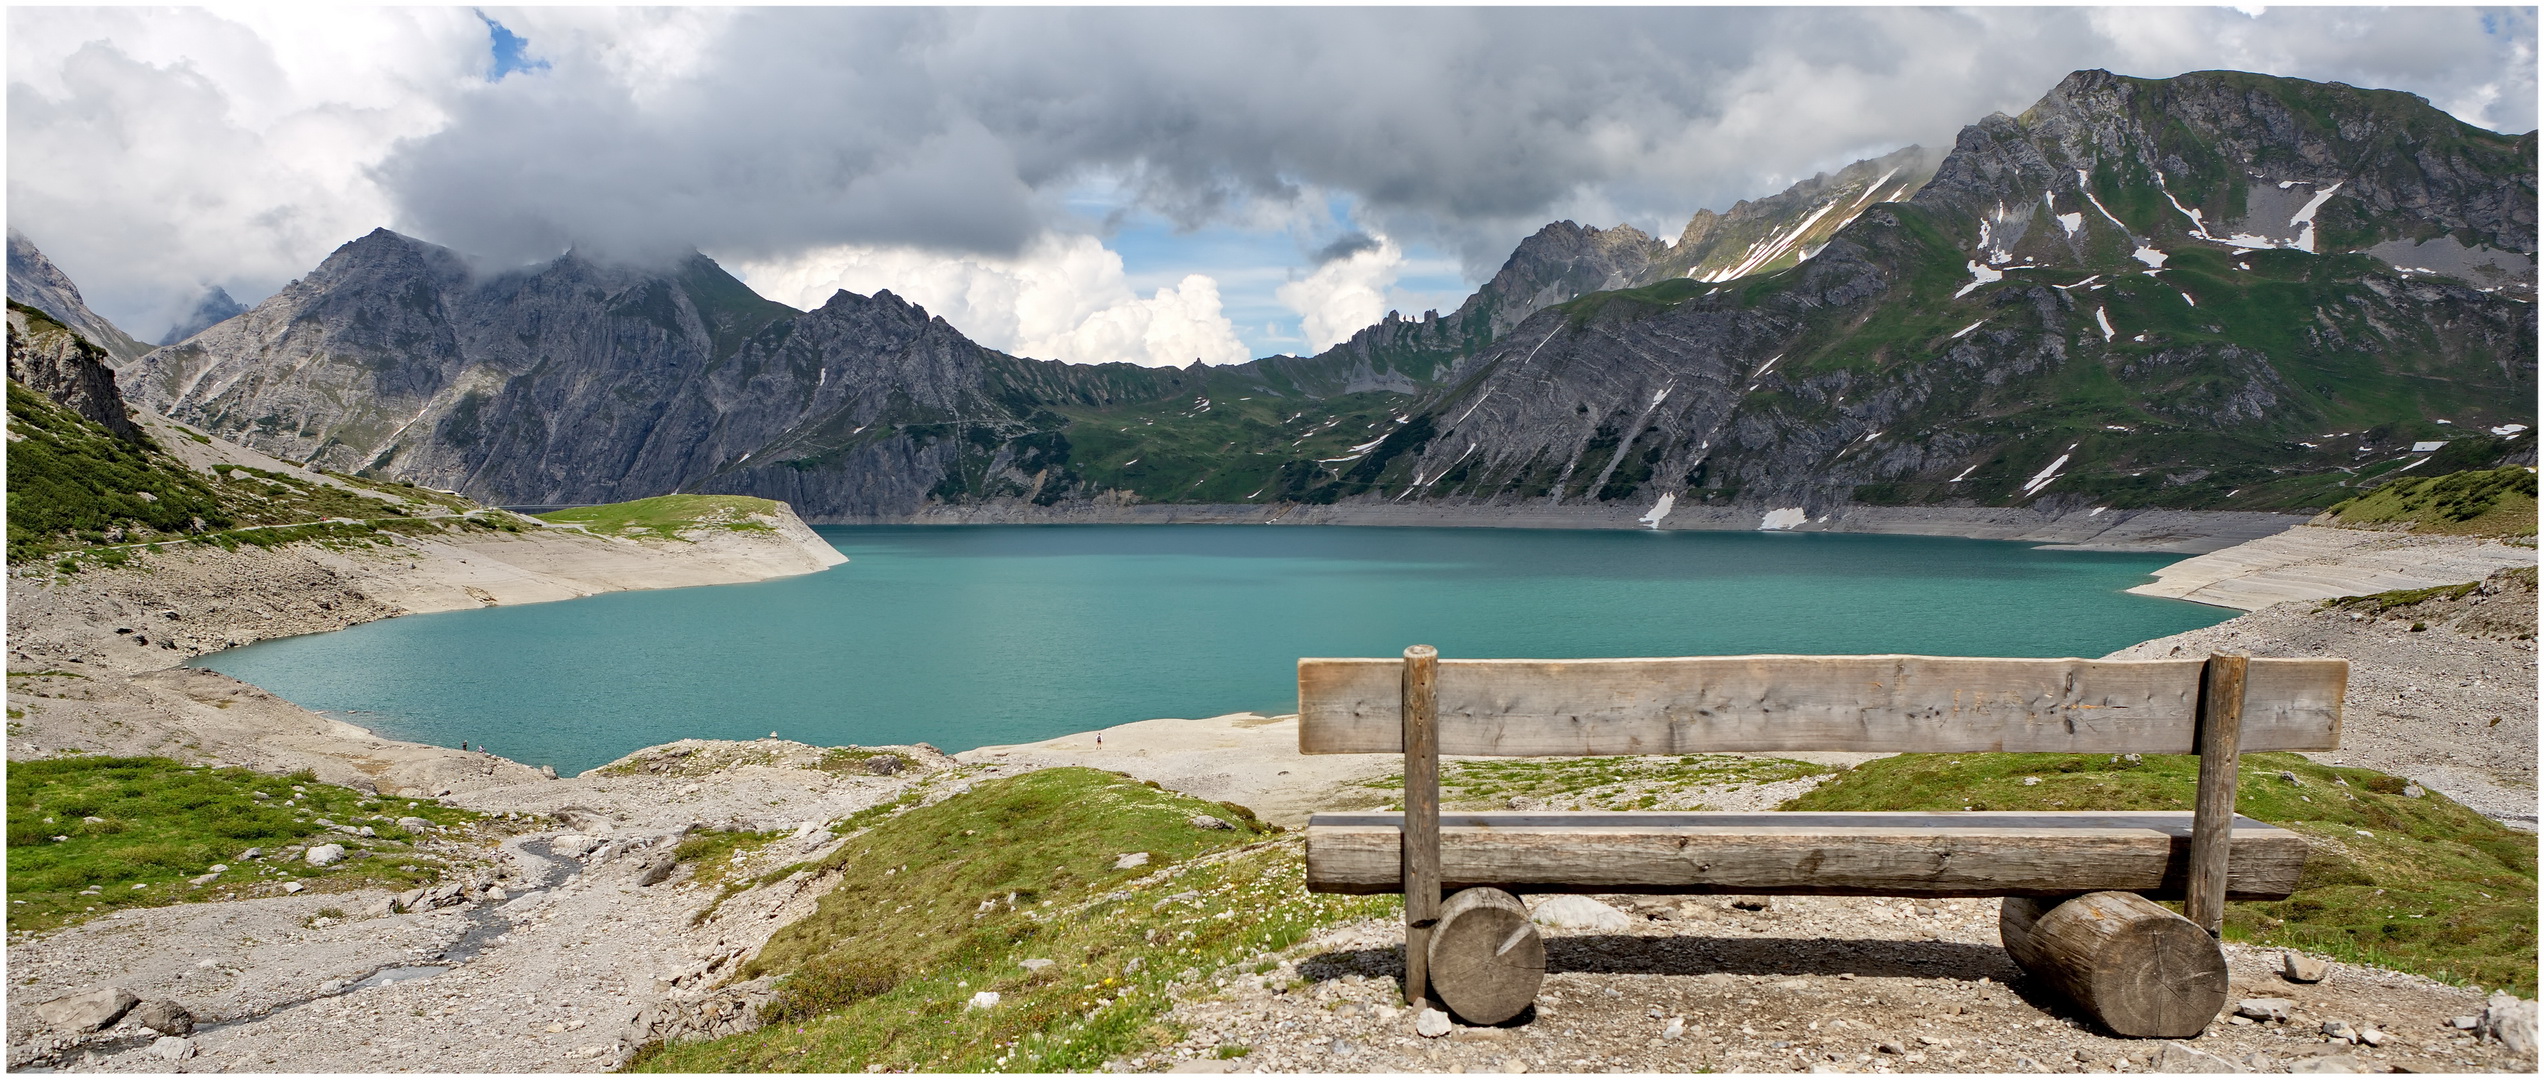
(941, 902)
(2416, 884)
(72, 480)
(161, 823)
(2492, 502)
(75, 496)
(2133, 410)
(667, 516)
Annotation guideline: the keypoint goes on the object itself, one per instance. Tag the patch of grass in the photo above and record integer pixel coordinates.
(158, 823)
(2415, 884)
(2380, 603)
(715, 853)
(2489, 502)
(1600, 783)
(667, 516)
(720, 858)
(941, 902)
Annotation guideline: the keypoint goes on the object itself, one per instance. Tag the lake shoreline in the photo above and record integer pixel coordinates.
(111, 646)
(2076, 527)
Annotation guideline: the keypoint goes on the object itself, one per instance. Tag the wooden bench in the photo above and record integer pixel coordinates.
(2076, 914)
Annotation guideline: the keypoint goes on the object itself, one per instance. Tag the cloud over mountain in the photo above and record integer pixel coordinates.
(154, 152)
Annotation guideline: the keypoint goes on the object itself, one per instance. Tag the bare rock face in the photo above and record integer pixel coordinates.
(60, 364)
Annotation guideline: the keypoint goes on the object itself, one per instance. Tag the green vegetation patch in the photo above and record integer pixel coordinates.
(942, 902)
(667, 516)
(2414, 884)
(2380, 603)
(71, 481)
(1600, 783)
(719, 857)
(97, 834)
(2488, 502)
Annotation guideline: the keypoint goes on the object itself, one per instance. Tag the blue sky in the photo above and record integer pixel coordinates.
(1250, 264)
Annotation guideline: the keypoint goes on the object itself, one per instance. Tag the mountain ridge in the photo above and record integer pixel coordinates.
(37, 283)
(1791, 351)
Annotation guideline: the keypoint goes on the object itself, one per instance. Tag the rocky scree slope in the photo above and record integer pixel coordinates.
(2219, 291)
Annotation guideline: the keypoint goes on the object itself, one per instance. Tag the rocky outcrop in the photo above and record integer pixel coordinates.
(53, 361)
(1783, 230)
(37, 283)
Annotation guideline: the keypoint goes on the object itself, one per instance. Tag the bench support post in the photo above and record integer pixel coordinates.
(1421, 836)
(2221, 717)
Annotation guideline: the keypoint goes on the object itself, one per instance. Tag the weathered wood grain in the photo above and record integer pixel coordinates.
(2223, 694)
(1847, 854)
(1486, 958)
(2142, 971)
(1420, 852)
(1526, 708)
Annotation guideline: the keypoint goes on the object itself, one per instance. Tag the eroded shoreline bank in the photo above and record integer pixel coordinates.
(2080, 527)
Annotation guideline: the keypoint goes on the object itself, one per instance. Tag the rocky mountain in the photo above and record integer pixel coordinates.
(214, 308)
(37, 283)
(1782, 230)
(49, 359)
(2178, 292)
(2210, 291)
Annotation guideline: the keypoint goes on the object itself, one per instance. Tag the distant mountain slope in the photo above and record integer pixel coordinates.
(2041, 322)
(37, 283)
(214, 308)
(2220, 290)
(1782, 230)
(581, 382)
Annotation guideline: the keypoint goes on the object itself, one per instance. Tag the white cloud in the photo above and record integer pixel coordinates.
(155, 151)
(1064, 297)
(1345, 294)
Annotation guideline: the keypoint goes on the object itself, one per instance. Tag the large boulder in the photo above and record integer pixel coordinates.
(2509, 1022)
(325, 855)
(164, 1017)
(94, 1010)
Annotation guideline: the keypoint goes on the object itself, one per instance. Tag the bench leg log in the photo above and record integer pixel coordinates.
(2140, 969)
(1486, 958)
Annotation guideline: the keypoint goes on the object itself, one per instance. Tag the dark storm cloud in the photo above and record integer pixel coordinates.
(1344, 247)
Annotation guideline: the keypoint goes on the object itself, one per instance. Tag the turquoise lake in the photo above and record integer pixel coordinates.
(972, 636)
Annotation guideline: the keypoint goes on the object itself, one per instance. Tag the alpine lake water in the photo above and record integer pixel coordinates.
(983, 635)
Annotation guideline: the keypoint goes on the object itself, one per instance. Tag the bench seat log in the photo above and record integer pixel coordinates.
(1776, 703)
(2041, 854)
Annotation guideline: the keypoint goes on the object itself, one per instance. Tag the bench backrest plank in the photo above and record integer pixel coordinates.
(1768, 703)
